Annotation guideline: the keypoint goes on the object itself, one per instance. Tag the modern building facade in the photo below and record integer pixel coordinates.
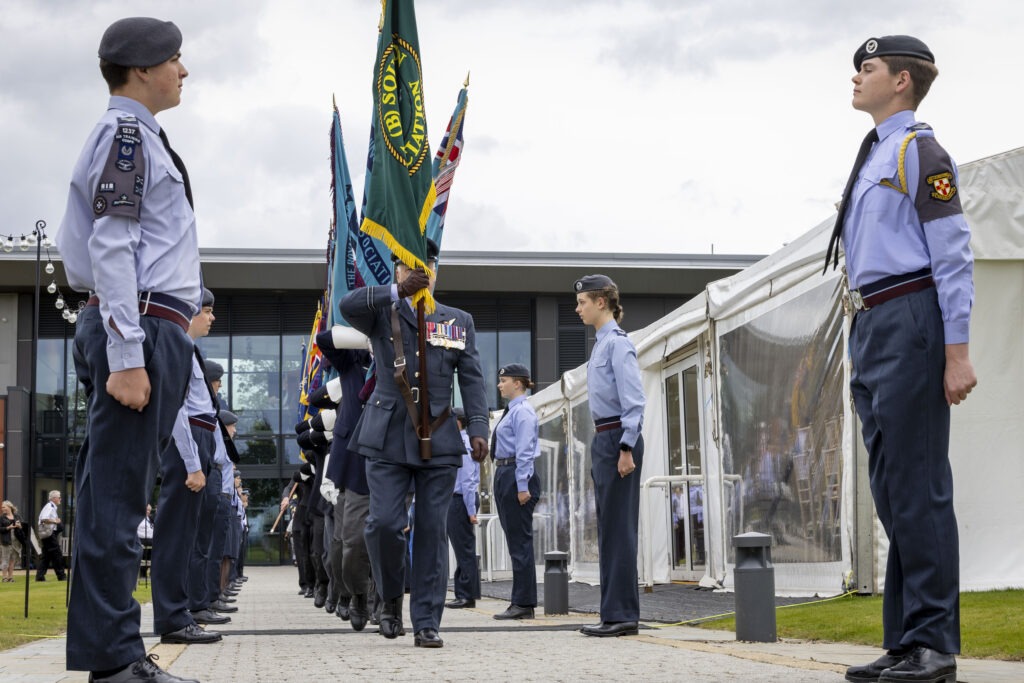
(522, 303)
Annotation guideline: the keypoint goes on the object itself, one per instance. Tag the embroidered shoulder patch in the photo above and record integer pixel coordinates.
(943, 188)
(124, 173)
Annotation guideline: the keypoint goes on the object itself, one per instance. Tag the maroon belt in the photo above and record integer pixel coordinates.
(159, 305)
(607, 424)
(889, 288)
(204, 422)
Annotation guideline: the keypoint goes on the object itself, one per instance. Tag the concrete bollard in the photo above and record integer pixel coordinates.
(556, 582)
(755, 588)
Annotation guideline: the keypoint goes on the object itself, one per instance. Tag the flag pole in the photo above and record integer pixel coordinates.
(424, 426)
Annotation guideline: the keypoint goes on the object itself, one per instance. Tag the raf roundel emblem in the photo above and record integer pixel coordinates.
(871, 46)
(943, 188)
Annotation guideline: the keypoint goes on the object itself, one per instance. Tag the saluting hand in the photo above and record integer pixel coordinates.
(130, 388)
(479, 445)
(413, 282)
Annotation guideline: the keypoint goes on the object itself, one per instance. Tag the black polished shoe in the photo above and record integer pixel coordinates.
(869, 673)
(143, 670)
(344, 612)
(206, 616)
(516, 612)
(359, 612)
(302, 592)
(391, 618)
(610, 629)
(224, 597)
(229, 591)
(242, 579)
(320, 597)
(330, 606)
(219, 606)
(190, 635)
(460, 603)
(308, 593)
(922, 665)
(428, 637)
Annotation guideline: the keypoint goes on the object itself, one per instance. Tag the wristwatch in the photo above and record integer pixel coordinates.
(624, 447)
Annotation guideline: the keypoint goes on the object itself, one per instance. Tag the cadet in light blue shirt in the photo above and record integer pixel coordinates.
(517, 486)
(129, 237)
(910, 268)
(616, 400)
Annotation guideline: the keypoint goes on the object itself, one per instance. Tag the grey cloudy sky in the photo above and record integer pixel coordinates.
(593, 125)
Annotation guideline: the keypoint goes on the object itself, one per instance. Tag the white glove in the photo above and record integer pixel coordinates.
(334, 389)
(348, 338)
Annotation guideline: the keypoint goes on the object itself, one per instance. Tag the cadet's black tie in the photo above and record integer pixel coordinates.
(494, 435)
(180, 165)
(837, 232)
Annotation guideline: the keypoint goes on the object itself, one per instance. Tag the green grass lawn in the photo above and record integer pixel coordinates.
(47, 615)
(991, 623)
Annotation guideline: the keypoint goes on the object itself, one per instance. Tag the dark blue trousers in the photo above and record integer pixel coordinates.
(462, 536)
(218, 544)
(389, 483)
(113, 480)
(618, 519)
(198, 569)
(174, 534)
(517, 521)
(898, 353)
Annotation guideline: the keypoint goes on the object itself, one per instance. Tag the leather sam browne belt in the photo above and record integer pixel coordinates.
(159, 305)
(606, 424)
(207, 422)
(889, 288)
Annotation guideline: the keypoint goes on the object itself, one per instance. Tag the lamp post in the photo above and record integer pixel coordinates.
(38, 239)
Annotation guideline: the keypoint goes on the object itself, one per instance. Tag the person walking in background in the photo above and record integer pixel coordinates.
(461, 521)
(517, 486)
(128, 237)
(616, 453)
(145, 533)
(50, 529)
(12, 539)
(910, 270)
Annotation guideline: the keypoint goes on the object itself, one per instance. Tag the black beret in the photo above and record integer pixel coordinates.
(207, 297)
(514, 370)
(593, 283)
(228, 418)
(214, 371)
(906, 46)
(432, 251)
(140, 41)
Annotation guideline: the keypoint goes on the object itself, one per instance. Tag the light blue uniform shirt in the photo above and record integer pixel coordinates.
(227, 468)
(517, 437)
(613, 382)
(118, 256)
(197, 402)
(888, 232)
(467, 478)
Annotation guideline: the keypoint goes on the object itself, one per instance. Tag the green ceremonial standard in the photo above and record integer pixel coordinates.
(402, 192)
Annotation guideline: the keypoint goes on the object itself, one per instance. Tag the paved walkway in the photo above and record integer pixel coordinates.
(277, 636)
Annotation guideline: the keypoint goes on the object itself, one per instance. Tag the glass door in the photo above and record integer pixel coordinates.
(683, 402)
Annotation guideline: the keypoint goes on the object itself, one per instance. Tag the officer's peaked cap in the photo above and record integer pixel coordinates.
(907, 46)
(140, 41)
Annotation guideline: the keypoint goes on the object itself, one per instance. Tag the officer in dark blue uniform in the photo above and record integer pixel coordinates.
(385, 435)
(517, 485)
(128, 237)
(616, 453)
(909, 264)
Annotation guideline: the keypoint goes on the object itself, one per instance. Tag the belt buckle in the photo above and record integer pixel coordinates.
(147, 296)
(400, 362)
(858, 300)
(415, 391)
